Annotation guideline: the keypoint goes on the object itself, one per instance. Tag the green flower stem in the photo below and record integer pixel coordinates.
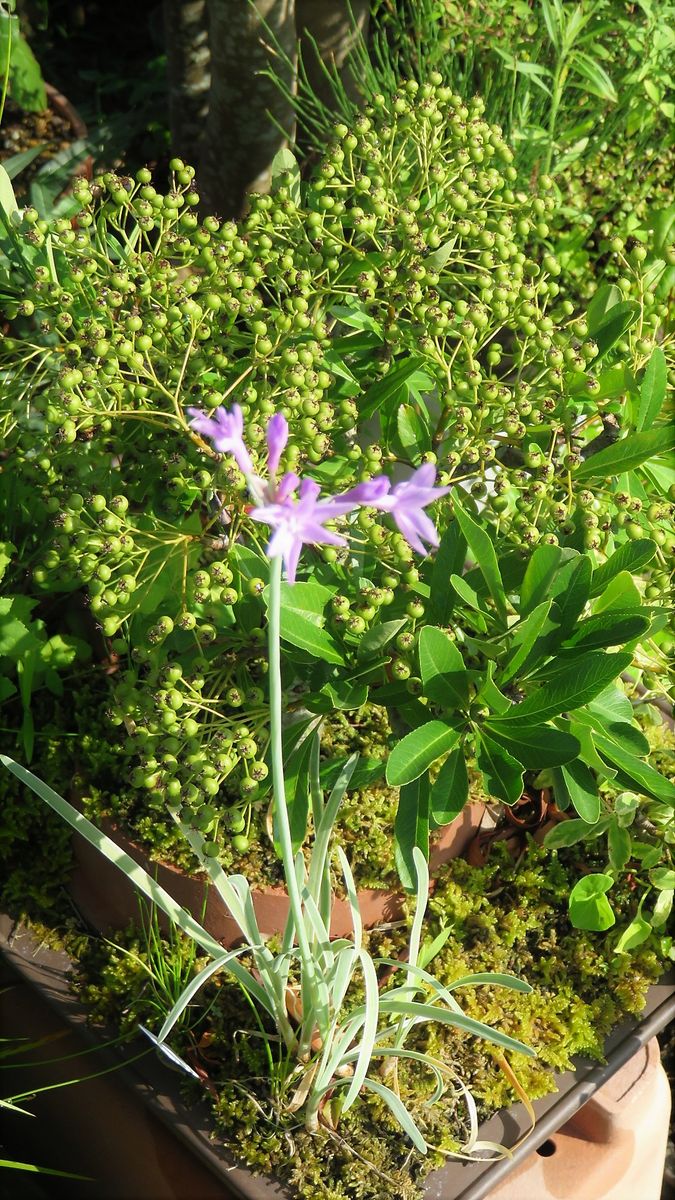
(280, 807)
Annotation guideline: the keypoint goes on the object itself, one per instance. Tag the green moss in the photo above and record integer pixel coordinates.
(504, 917)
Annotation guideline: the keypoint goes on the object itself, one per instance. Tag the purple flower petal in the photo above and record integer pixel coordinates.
(226, 431)
(277, 437)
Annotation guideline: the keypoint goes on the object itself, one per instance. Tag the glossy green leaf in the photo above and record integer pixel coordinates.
(470, 597)
(418, 750)
(536, 747)
(411, 828)
(572, 599)
(567, 690)
(614, 323)
(304, 634)
(662, 908)
(448, 561)
(629, 557)
(540, 573)
(413, 435)
(482, 549)
(588, 904)
(444, 676)
(377, 637)
(663, 878)
(502, 773)
(582, 790)
(652, 389)
(302, 608)
(606, 298)
(634, 773)
(633, 935)
(621, 592)
(626, 454)
(524, 638)
(450, 790)
(615, 627)
(612, 705)
(384, 389)
(569, 833)
(618, 845)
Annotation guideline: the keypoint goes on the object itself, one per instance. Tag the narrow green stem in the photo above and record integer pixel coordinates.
(280, 807)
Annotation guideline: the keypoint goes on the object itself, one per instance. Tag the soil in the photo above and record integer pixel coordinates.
(22, 130)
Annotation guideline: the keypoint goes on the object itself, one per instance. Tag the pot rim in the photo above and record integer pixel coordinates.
(48, 970)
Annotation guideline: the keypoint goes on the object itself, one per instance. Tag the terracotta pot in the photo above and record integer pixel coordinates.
(107, 1127)
(614, 1148)
(108, 900)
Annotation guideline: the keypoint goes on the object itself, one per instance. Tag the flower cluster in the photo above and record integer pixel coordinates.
(291, 506)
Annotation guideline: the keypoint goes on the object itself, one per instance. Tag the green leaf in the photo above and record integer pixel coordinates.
(620, 592)
(588, 904)
(470, 597)
(482, 549)
(444, 676)
(652, 389)
(663, 878)
(60, 652)
(568, 833)
(595, 78)
(7, 551)
(302, 618)
(384, 389)
(605, 299)
(571, 602)
(300, 632)
(629, 557)
(7, 688)
(612, 705)
(662, 908)
(15, 637)
(413, 435)
(536, 747)
(448, 561)
(618, 845)
(627, 454)
(633, 935)
(411, 828)
(26, 83)
(584, 679)
(450, 790)
(367, 771)
(615, 322)
(540, 573)
(623, 733)
(502, 773)
(612, 628)
(296, 786)
(285, 163)
(376, 638)
(581, 788)
(438, 258)
(418, 750)
(524, 638)
(638, 774)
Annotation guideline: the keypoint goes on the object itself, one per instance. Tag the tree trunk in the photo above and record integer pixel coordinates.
(188, 74)
(334, 27)
(245, 107)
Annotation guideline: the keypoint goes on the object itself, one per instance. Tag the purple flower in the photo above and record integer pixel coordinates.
(298, 523)
(226, 431)
(277, 437)
(406, 503)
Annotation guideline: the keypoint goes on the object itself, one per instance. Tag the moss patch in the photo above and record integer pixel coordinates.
(504, 917)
